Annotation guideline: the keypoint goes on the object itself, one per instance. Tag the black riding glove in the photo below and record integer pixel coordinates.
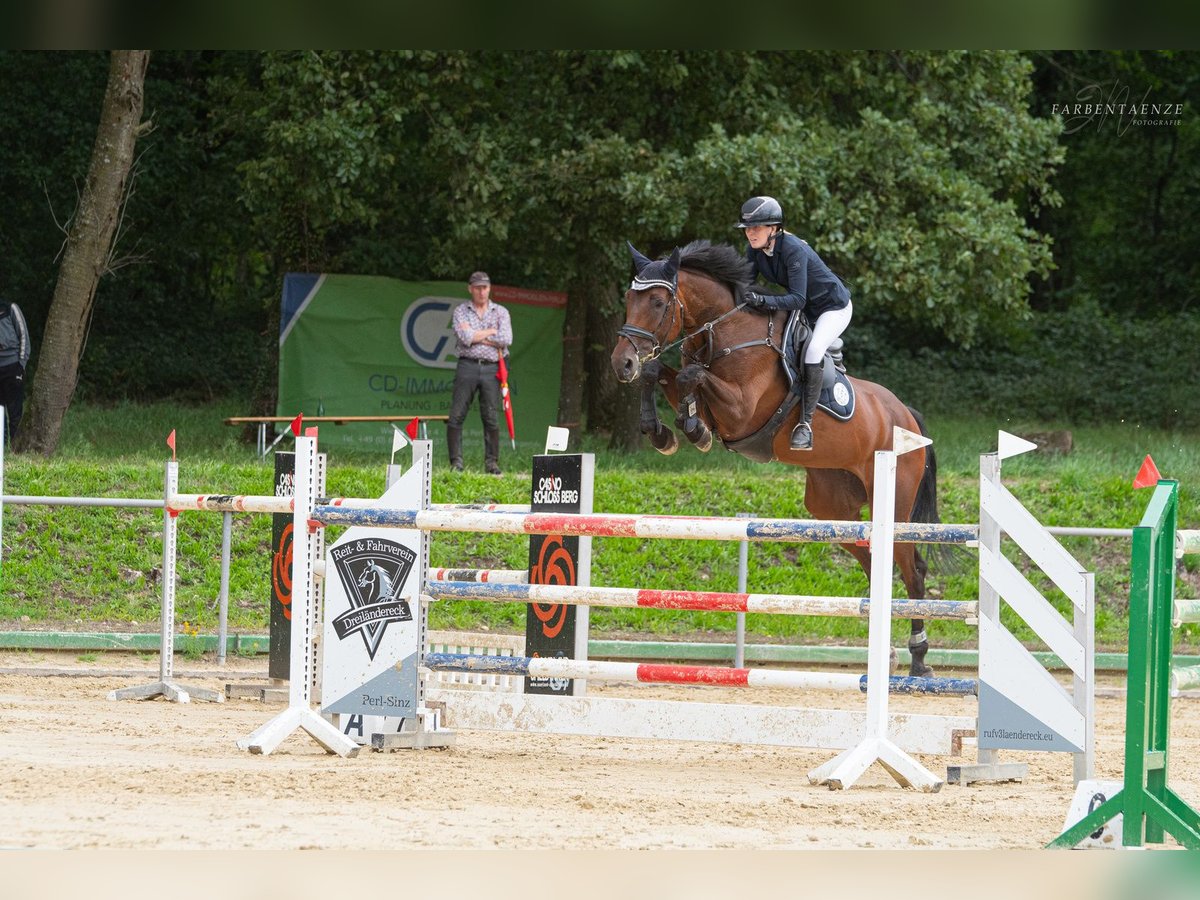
(758, 301)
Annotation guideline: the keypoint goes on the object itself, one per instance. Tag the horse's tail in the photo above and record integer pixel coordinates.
(925, 506)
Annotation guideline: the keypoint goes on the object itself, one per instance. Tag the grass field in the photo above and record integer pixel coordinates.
(96, 569)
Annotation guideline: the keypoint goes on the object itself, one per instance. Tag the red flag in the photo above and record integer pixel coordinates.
(1147, 475)
(506, 400)
(297, 424)
(171, 442)
(413, 428)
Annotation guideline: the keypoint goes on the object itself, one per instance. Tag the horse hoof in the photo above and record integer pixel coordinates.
(670, 447)
(705, 445)
(893, 659)
(922, 671)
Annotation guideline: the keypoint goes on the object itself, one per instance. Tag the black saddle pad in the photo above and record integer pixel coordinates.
(837, 397)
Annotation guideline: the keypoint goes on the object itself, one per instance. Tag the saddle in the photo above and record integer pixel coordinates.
(837, 393)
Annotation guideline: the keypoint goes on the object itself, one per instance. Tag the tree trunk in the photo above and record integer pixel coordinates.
(612, 406)
(87, 253)
(570, 396)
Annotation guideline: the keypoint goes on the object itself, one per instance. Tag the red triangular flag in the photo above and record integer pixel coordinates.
(1147, 475)
(297, 424)
(412, 428)
(171, 442)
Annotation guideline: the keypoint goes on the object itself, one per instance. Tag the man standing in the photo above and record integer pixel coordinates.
(14, 356)
(484, 331)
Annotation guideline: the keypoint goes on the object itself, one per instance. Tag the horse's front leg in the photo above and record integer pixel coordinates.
(655, 375)
(690, 385)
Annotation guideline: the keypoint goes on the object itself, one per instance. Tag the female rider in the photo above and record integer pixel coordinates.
(783, 259)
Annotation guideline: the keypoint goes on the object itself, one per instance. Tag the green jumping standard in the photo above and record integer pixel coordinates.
(1149, 807)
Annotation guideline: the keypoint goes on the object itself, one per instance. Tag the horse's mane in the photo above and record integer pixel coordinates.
(719, 261)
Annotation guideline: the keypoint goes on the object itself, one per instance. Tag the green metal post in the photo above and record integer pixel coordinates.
(1148, 806)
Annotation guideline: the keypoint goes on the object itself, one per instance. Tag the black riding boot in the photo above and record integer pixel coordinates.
(491, 451)
(454, 446)
(802, 438)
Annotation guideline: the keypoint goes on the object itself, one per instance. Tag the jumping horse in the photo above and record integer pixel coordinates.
(732, 384)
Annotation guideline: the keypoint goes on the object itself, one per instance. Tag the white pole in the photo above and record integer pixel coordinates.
(223, 593)
(739, 646)
(880, 629)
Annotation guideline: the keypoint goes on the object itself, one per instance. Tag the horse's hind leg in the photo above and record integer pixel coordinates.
(662, 437)
(833, 494)
(912, 572)
(909, 470)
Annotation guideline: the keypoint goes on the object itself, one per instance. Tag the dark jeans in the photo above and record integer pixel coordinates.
(12, 396)
(473, 376)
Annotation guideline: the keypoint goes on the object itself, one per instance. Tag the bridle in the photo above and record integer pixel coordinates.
(629, 332)
(675, 307)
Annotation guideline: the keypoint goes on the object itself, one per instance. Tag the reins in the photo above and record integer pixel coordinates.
(708, 330)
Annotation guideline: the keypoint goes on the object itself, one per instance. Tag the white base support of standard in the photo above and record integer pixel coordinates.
(269, 736)
(846, 768)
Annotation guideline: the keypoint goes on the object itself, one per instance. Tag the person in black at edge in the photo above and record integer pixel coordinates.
(14, 356)
(784, 259)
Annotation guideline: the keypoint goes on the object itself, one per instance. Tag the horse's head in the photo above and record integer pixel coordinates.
(368, 577)
(653, 314)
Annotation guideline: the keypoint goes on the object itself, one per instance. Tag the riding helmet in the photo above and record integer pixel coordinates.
(761, 211)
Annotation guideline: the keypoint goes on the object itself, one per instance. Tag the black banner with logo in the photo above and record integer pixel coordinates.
(553, 559)
(279, 665)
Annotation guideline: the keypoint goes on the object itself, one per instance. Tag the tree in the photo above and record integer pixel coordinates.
(911, 173)
(88, 252)
(1128, 239)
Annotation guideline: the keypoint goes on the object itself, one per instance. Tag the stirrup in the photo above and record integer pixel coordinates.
(802, 437)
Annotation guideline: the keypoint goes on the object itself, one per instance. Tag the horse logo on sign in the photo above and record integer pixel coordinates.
(373, 572)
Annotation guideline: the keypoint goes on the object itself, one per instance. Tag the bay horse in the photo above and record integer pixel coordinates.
(732, 384)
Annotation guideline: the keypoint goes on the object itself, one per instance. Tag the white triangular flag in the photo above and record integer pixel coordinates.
(904, 440)
(399, 442)
(1011, 445)
(556, 438)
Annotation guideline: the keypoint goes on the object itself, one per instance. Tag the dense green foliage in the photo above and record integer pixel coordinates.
(985, 235)
(1127, 234)
(96, 569)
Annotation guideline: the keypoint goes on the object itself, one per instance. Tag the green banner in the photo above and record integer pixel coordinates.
(356, 345)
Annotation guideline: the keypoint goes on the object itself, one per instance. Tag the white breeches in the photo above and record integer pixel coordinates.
(826, 329)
